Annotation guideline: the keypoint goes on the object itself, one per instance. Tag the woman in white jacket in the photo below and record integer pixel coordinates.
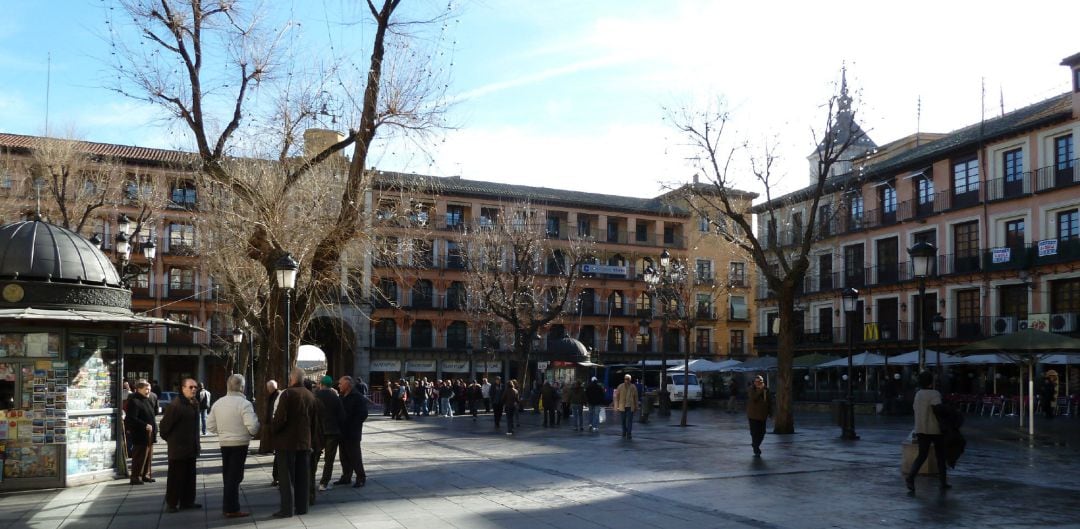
(233, 419)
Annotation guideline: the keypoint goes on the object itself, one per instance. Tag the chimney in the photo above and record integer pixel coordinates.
(315, 140)
(1073, 62)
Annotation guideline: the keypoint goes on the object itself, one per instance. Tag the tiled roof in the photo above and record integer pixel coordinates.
(1053, 110)
(540, 195)
(127, 153)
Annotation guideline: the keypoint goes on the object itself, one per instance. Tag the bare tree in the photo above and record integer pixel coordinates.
(782, 263)
(519, 275)
(202, 61)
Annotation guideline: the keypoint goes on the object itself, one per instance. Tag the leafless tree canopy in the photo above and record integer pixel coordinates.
(783, 266)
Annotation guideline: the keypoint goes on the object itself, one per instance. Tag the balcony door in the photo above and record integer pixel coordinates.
(888, 319)
(888, 254)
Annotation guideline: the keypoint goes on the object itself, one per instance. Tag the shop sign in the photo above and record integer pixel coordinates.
(455, 366)
(603, 269)
(386, 365)
(420, 366)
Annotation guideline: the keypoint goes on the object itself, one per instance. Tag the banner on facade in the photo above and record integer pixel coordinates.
(420, 366)
(1048, 247)
(1039, 322)
(492, 366)
(1001, 255)
(455, 366)
(386, 365)
(603, 269)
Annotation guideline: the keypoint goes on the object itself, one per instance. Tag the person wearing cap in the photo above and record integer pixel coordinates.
(626, 401)
(332, 415)
(233, 419)
(594, 397)
(1049, 394)
(758, 409)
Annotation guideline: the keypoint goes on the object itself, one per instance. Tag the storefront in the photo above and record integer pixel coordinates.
(63, 311)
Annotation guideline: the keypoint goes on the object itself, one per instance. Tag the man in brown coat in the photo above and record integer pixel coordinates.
(180, 428)
(758, 410)
(291, 439)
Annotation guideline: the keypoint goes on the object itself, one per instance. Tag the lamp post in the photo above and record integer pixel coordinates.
(939, 325)
(660, 282)
(850, 297)
(285, 273)
(237, 339)
(922, 259)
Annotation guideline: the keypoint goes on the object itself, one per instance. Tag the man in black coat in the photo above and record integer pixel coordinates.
(332, 416)
(594, 397)
(355, 407)
(295, 418)
(496, 393)
(141, 421)
(180, 428)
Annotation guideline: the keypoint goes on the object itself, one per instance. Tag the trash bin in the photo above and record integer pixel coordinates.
(647, 403)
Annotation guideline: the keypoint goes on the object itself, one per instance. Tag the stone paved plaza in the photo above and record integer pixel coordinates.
(458, 473)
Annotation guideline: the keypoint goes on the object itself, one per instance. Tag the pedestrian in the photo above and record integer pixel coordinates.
(758, 410)
(317, 437)
(575, 398)
(267, 416)
(141, 421)
(446, 393)
(594, 396)
(389, 409)
(626, 401)
(548, 404)
(333, 414)
(294, 419)
(1048, 396)
(234, 421)
(180, 428)
(474, 394)
(204, 405)
(927, 430)
(496, 395)
(485, 393)
(355, 412)
(511, 402)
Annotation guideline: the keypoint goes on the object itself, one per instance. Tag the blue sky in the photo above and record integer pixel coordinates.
(570, 93)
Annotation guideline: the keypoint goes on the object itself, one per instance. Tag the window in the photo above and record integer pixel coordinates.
(825, 279)
(824, 219)
(422, 294)
(387, 295)
(966, 241)
(587, 336)
(139, 189)
(421, 333)
(488, 217)
(925, 191)
(771, 236)
(552, 225)
(182, 317)
(181, 279)
(1013, 301)
(703, 224)
(1065, 296)
(642, 232)
(644, 340)
(704, 306)
(928, 237)
(1013, 163)
(141, 280)
(182, 194)
(737, 342)
(966, 176)
(556, 263)
(704, 341)
(1063, 152)
(615, 339)
(455, 216)
(967, 313)
(612, 230)
(584, 226)
(456, 296)
(856, 210)
(181, 239)
(1068, 224)
(737, 274)
(454, 256)
(615, 302)
(644, 304)
(738, 308)
(796, 226)
(1014, 233)
(386, 333)
(669, 235)
(853, 265)
(422, 253)
(704, 271)
(888, 199)
(457, 335)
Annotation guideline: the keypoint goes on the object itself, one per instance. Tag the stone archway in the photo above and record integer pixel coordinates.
(337, 340)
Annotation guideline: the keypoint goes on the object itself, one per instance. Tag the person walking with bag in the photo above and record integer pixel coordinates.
(927, 431)
(626, 401)
(758, 410)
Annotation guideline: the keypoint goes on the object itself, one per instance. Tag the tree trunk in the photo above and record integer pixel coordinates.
(784, 417)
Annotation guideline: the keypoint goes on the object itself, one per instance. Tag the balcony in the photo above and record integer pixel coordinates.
(1057, 176)
(704, 278)
(180, 249)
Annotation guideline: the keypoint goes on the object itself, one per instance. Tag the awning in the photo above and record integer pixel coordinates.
(89, 316)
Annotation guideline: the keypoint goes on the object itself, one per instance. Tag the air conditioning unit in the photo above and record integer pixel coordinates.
(1022, 325)
(1065, 322)
(1003, 325)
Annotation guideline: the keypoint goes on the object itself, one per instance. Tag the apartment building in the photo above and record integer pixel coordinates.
(998, 200)
(174, 285)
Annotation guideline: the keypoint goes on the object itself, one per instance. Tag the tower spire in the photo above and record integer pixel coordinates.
(845, 99)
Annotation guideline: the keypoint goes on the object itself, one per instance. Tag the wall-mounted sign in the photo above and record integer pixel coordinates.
(603, 269)
(420, 366)
(493, 366)
(1048, 247)
(455, 366)
(386, 365)
(1001, 255)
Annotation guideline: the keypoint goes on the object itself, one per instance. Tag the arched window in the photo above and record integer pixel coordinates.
(386, 333)
(422, 294)
(616, 339)
(421, 333)
(457, 335)
(587, 302)
(456, 296)
(387, 294)
(616, 303)
(644, 304)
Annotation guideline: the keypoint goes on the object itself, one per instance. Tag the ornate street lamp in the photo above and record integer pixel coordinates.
(237, 339)
(922, 262)
(850, 297)
(285, 273)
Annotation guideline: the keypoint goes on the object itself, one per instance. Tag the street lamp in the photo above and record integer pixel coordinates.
(661, 283)
(850, 297)
(939, 325)
(285, 273)
(237, 338)
(922, 261)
